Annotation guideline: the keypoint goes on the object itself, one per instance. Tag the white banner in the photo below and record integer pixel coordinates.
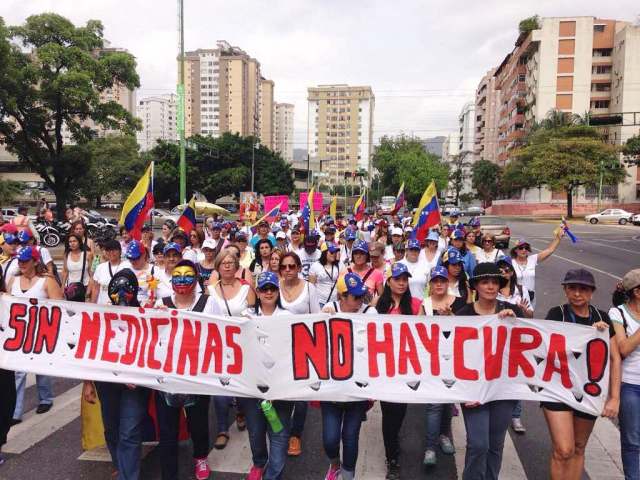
(338, 357)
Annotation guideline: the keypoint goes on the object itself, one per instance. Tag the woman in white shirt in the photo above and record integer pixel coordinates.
(488, 253)
(105, 272)
(417, 269)
(77, 262)
(324, 273)
(431, 252)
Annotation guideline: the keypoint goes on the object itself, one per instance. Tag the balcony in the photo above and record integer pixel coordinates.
(518, 118)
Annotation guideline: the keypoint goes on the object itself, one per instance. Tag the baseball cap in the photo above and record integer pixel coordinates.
(408, 229)
(433, 236)
(263, 223)
(457, 234)
(413, 244)
(352, 284)
(439, 272)
(216, 226)
(27, 253)
(396, 231)
(267, 278)
(172, 246)
(134, 250)
(241, 236)
(208, 243)
(398, 269)
(474, 222)
(9, 238)
(521, 243)
(332, 247)
(452, 256)
(504, 259)
(24, 236)
(349, 234)
(360, 246)
(631, 280)
(284, 222)
(330, 229)
(9, 228)
(281, 234)
(579, 276)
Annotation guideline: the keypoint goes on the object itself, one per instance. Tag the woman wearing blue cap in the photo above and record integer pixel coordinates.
(341, 420)
(457, 241)
(360, 265)
(458, 278)
(268, 463)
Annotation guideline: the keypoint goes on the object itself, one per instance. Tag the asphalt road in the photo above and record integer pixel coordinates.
(608, 251)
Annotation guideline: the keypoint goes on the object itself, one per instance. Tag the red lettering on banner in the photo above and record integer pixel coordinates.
(189, 347)
(89, 334)
(382, 347)
(230, 332)
(493, 361)
(168, 363)
(109, 334)
(341, 348)
(431, 344)
(156, 323)
(31, 329)
(463, 334)
(516, 348)
(408, 352)
(133, 338)
(143, 343)
(212, 348)
(557, 350)
(17, 311)
(48, 329)
(308, 347)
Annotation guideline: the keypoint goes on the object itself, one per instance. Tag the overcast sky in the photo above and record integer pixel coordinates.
(423, 59)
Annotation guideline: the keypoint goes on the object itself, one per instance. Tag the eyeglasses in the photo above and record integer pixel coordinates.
(288, 266)
(487, 241)
(228, 264)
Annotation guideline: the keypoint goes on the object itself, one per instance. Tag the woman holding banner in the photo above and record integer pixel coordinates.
(396, 299)
(486, 424)
(569, 428)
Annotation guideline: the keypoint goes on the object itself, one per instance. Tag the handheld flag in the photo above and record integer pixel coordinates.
(187, 220)
(268, 217)
(360, 206)
(565, 226)
(307, 216)
(333, 207)
(399, 200)
(139, 202)
(428, 212)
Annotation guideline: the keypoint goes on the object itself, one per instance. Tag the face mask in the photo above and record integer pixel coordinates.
(183, 279)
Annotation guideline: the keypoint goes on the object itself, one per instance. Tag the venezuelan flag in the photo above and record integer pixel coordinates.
(187, 220)
(333, 208)
(139, 202)
(399, 200)
(360, 206)
(269, 216)
(307, 215)
(428, 212)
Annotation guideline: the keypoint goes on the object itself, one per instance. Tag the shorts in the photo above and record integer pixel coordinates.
(561, 407)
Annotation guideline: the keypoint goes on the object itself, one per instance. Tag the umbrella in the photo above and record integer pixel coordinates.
(206, 208)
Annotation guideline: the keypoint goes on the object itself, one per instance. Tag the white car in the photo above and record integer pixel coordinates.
(636, 219)
(160, 215)
(610, 215)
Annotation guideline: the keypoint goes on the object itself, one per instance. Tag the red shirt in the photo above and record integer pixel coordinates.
(416, 303)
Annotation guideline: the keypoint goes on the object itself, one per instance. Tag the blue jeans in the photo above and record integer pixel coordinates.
(299, 417)
(629, 417)
(486, 427)
(438, 422)
(222, 405)
(45, 392)
(517, 410)
(123, 413)
(342, 420)
(273, 459)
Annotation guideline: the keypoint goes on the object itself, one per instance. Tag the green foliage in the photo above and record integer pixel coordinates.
(51, 78)
(219, 166)
(514, 178)
(528, 24)
(486, 180)
(631, 150)
(9, 190)
(403, 159)
(457, 175)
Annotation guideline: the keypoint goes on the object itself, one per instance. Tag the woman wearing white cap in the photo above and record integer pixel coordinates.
(419, 270)
(397, 236)
(625, 316)
(324, 273)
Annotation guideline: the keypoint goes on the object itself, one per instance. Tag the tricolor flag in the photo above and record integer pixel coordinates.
(428, 212)
(307, 216)
(187, 220)
(139, 202)
(360, 206)
(333, 207)
(570, 234)
(268, 217)
(399, 200)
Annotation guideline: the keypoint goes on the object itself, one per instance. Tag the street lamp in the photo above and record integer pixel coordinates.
(254, 146)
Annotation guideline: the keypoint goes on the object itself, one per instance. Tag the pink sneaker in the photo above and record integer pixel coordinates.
(333, 473)
(202, 469)
(255, 473)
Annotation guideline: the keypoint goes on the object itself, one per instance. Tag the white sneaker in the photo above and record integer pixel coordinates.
(446, 445)
(430, 458)
(517, 426)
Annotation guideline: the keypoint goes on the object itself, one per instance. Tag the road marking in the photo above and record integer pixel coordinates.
(35, 428)
(235, 457)
(101, 454)
(602, 456)
(581, 264)
(611, 246)
(371, 457)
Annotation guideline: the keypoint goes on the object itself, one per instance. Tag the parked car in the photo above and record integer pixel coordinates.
(636, 219)
(161, 215)
(447, 208)
(473, 211)
(610, 215)
(500, 230)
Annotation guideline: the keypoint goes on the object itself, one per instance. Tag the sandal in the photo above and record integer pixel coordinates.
(241, 422)
(221, 441)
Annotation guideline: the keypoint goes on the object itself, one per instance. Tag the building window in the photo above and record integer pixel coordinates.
(601, 69)
(598, 28)
(600, 104)
(602, 52)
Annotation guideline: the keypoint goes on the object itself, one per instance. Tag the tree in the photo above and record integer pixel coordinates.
(486, 180)
(515, 177)
(9, 190)
(564, 158)
(631, 150)
(457, 175)
(51, 76)
(528, 24)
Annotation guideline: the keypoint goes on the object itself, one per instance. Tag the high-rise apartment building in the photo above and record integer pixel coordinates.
(283, 130)
(340, 130)
(266, 113)
(466, 144)
(486, 123)
(158, 115)
(223, 93)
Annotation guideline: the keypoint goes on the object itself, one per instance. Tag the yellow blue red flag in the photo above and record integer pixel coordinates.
(428, 212)
(360, 206)
(399, 200)
(138, 204)
(307, 215)
(187, 220)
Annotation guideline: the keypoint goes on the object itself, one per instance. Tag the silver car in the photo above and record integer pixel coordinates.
(610, 215)
(160, 215)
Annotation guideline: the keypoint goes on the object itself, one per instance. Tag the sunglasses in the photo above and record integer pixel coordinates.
(487, 241)
(522, 247)
(288, 266)
(268, 288)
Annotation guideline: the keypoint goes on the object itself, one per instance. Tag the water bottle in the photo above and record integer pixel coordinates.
(271, 415)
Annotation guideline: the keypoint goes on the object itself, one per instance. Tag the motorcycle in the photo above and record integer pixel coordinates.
(52, 233)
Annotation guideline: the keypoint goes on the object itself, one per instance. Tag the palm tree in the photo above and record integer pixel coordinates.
(584, 119)
(555, 119)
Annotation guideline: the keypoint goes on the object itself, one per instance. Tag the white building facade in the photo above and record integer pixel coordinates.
(283, 130)
(158, 115)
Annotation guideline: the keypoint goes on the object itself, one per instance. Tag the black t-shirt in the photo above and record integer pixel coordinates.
(468, 310)
(565, 314)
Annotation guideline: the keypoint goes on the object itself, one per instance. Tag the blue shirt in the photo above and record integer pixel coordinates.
(256, 238)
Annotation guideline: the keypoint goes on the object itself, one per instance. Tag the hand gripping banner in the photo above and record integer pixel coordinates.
(339, 357)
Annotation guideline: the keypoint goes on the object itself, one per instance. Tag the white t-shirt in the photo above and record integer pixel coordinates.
(334, 307)
(517, 296)
(103, 275)
(307, 301)
(418, 279)
(491, 257)
(631, 363)
(307, 260)
(142, 276)
(429, 264)
(236, 304)
(388, 253)
(210, 308)
(527, 273)
(327, 276)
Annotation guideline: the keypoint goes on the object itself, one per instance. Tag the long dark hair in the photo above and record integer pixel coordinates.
(67, 248)
(385, 302)
(257, 259)
(323, 258)
(257, 305)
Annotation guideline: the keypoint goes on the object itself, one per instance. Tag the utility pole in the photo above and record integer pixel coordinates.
(308, 172)
(181, 109)
(253, 162)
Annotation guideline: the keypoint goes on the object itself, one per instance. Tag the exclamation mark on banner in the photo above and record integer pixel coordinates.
(597, 354)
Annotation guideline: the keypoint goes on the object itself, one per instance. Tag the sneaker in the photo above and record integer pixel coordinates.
(255, 473)
(517, 426)
(295, 447)
(202, 471)
(446, 445)
(393, 470)
(44, 408)
(430, 458)
(333, 473)
(2, 459)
